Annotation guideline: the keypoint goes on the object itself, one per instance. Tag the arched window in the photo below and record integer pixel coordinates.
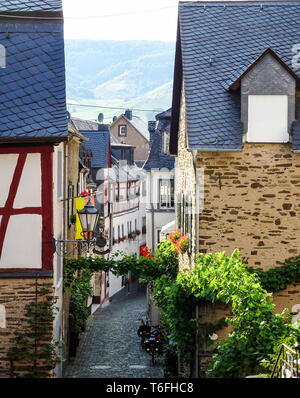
(2, 56)
(2, 317)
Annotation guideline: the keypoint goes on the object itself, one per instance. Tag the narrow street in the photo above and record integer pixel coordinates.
(110, 347)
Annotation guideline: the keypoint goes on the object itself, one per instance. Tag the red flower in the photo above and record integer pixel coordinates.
(182, 244)
(84, 193)
(145, 252)
(175, 235)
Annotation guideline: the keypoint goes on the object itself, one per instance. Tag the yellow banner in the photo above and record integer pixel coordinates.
(79, 203)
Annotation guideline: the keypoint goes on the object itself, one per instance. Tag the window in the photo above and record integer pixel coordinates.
(144, 220)
(122, 130)
(158, 236)
(166, 193)
(70, 203)
(268, 118)
(2, 56)
(123, 191)
(165, 142)
(59, 175)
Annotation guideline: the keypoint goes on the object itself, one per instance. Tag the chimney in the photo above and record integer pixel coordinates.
(151, 127)
(128, 114)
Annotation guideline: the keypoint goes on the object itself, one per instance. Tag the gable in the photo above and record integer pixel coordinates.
(138, 125)
(217, 41)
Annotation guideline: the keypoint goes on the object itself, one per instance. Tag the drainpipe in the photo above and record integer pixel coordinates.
(65, 189)
(194, 154)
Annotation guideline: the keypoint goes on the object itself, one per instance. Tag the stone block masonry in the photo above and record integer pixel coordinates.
(15, 294)
(255, 207)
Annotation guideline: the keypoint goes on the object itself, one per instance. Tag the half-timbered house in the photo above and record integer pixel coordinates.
(33, 131)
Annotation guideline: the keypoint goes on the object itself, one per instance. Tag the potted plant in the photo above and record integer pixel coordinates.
(84, 193)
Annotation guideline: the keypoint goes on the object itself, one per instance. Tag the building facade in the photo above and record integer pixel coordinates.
(32, 154)
(160, 179)
(132, 130)
(235, 135)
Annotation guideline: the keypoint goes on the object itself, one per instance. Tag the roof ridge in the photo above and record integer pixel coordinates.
(241, 3)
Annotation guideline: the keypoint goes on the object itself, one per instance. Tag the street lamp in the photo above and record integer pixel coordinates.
(92, 224)
(89, 217)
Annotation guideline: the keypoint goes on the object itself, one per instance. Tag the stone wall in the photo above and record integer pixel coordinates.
(15, 293)
(251, 203)
(185, 179)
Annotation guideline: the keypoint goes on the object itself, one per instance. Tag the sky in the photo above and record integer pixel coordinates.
(121, 20)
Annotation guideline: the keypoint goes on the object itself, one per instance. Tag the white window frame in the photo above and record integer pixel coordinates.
(169, 195)
(121, 128)
(2, 56)
(166, 142)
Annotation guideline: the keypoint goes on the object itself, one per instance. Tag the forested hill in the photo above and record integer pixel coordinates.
(130, 74)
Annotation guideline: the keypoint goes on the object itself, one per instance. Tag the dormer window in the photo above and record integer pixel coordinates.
(165, 142)
(268, 97)
(2, 56)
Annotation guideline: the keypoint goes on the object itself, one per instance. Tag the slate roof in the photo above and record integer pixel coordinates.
(218, 42)
(30, 5)
(98, 140)
(32, 85)
(157, 158)
(125, 173)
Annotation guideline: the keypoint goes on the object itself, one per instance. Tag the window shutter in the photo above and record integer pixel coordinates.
(70, 202)
(190, 223)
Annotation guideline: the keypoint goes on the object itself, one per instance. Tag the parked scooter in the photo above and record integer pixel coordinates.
(144, 331)
(154, 343)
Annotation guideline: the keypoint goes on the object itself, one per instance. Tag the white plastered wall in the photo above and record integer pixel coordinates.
(22, 246)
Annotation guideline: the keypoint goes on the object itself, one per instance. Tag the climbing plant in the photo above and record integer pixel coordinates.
(33, 352)
(278, 278)
(255, 329)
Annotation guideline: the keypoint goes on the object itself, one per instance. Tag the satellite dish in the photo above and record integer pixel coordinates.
(100, 117)
(68, 115)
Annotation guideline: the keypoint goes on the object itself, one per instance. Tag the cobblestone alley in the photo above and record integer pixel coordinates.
(110, 347)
